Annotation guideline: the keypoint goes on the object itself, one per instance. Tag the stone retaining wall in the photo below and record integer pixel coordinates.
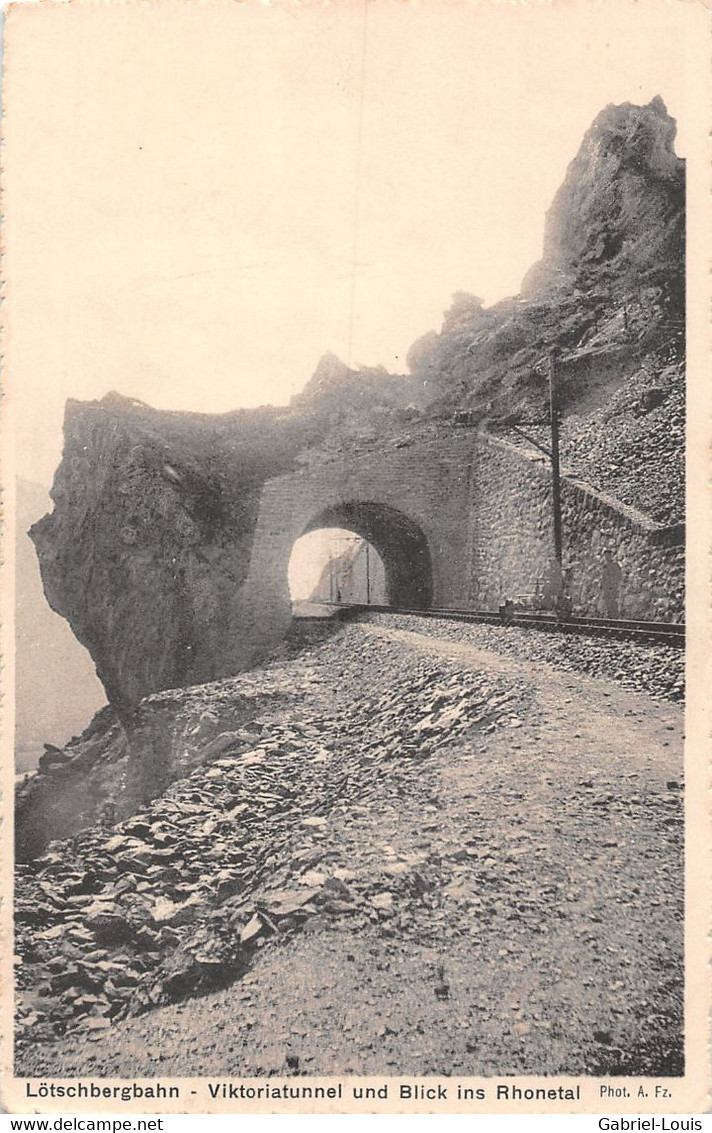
(511, 539)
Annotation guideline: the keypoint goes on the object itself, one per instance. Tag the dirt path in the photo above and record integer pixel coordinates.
(519, 901)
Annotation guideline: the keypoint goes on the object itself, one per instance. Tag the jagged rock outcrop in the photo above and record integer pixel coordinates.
(149, 542)
(202, 820)
(611, 277)
(354, 405)
(618, 220)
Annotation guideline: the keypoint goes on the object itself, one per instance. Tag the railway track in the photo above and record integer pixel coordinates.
(667, 633)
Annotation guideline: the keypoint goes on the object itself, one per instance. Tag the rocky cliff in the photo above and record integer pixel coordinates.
(149, 543)
(612, 273)
(617, 223)
(149, 540)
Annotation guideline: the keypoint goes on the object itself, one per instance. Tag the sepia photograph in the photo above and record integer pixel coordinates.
(353, 411)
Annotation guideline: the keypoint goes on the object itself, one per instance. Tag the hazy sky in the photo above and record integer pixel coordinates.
(188, 187)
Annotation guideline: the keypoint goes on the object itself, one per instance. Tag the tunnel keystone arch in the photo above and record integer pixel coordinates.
(399, 541)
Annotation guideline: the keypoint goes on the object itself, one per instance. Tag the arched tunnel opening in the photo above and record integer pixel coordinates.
(367, 553)
(333, 565)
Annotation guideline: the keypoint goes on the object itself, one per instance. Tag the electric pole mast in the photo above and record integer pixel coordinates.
(555, 477)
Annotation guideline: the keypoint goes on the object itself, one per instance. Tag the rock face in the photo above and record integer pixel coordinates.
(56, 686)
(338, 388)
(149, 547)
(619, 217)
(150, 539)
(612, 274)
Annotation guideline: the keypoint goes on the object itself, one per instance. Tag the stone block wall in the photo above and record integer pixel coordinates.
(511, 539)
(428, 485)
(510, 526)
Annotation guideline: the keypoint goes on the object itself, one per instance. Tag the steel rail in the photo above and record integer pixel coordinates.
(668, 633)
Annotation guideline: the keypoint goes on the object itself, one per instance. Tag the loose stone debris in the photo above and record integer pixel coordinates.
(180, 895)
(329, 819)
(658, 670)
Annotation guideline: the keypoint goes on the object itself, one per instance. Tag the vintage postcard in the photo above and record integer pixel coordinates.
(355, 471)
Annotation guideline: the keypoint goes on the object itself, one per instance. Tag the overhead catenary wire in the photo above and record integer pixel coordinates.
(356, 223)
